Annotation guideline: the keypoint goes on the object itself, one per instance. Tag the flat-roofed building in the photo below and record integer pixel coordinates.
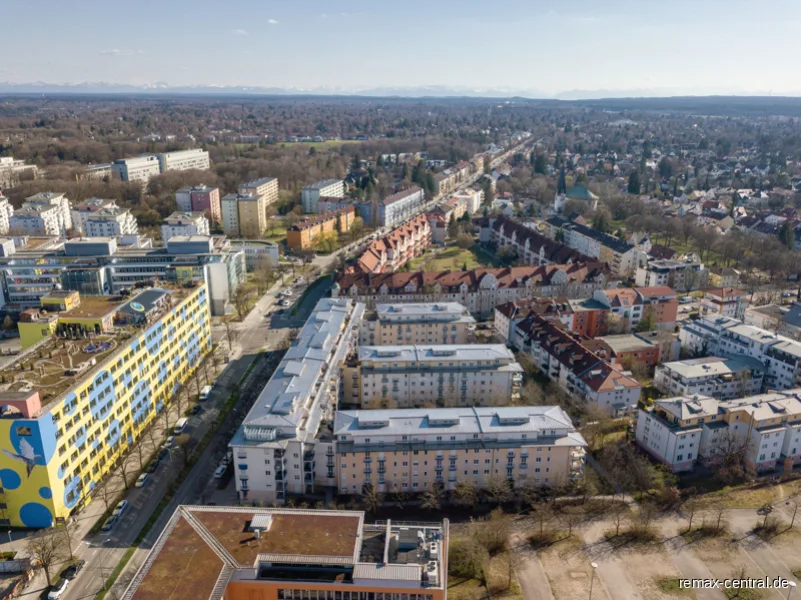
(722, 378)
(394, 209)
(110, 222)
(284, 430)
(406, 376)
(244, 215)
(626, 349)
(412, 450)
(200, 198)
(681, 275)
(183, 160)
(87, 207)
(435, 323)
(184, 223)
(6, 212)
(92, 396)
(328, 188)
(241, 553)
(305, 233)
(266, 187)
(36, 219)
(60, 201)
(257, 252)
(13, 171)
(140, 168)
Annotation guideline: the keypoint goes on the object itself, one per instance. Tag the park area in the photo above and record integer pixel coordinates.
(454, 258)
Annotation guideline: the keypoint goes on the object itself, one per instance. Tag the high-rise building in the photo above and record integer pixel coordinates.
(244, 215)
(36, 219)
(109, 222)
(266, 187)
(328, 188)
(60, 201)
(183, 160)
(184, 223)
(68, 419)
(6, 212)
(241, 553)
(92, 205)
(200, 198)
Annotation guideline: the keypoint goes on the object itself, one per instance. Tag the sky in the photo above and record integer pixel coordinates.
(540, 47)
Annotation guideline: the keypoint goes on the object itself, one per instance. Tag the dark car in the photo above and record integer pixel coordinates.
(195, 409)
(151, 468)
(163, 452)
(71, 571)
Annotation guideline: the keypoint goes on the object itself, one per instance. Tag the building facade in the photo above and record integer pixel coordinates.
(727, 302)
(183, 160)
(87, 207)
(721, 378)
(402, 245)
(110, 222)
(200, 198)
(532, 248)
(328, 188)
(38, 219)
(396, 324)
(267, 187)
(256, 252)
(62, 204)
(683, 276)
(63, 439)
(6, 212)
(303, 234)
(140, 169)
(394, 209)
(183, 223)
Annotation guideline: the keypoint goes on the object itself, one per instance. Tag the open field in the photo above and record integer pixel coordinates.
(454, 258)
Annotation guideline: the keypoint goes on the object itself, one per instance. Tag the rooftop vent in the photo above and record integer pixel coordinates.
(261, 522)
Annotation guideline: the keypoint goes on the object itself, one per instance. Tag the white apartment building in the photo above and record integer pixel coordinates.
(473, 199)
(682, 276)
(411, 450)
(728, 302)
(60, 201)
(257, 251)
(183, 160)
(6, 212)
(407, 376)
(266, 187)
(140, 168)
(36, 219)
(283, 437)
(13, 171)
(87, 207)
(230, 214)
(685, 430)
(435, 323)
(722, 336)
(327, 188)
(110, 222)
(184, 223)
(721, 378)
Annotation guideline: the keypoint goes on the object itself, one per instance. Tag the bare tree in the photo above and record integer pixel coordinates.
(46, 546)
(242, 300)
(619, 513)
(690, 508)
(107, 490)
(372, 498)
(794, 503)
(231, 334)
(432, 498)
(263, 275)
(543, 515)
(497, 490)
(570, 519)
(185, 446)
(69, 531)
(718, 512)
(124, 468)
(728, 455)
(493, 532)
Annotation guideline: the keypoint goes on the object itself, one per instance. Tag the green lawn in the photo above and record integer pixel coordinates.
(275, 232)
(453, 258)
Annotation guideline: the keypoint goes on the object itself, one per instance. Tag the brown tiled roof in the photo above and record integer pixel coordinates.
(662, 252)
(554, 251)
(311, 221)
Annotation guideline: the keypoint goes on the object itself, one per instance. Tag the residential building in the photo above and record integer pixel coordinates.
(6, 212)
(400, 246)
(722, 378)
(590, 317)
(13, 171)
(110, 222)
(256, 252)
(184, 223)
(329, 188)
(244, 553)
(267, 187)
(141, 168)
(683, 431)
(411, 450)
(101, 171)
(396, 324)
(60, 201)
(92, 205)
(183, 160)
(565, 358)
(78, 417)
(622, 256)
(728, 302)
(229, 206)
(407, 376)
(303, 234)
(509, 314)
(724, 278)
(532, 248)
(244, 215)
(285, 429)
(631, 305)
(783, 319)
(394, 209)
(684, 276)
(480, 290)
(200, 198)
(37, 219)
(626, 349)
(473, 199)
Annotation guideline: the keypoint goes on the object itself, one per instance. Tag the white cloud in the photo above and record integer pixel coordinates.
(272, 22)
(239, 32)
(118, 52)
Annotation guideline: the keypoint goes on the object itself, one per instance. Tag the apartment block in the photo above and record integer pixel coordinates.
(687, 430)
(6, 212)
(60, 201)
(37, 219)
(473, 199)
(184, 223)
(244, 215)
(110, 222)
(402, 245)
(407, 376)
(229, 206)
(303, 234)
(412, 450)
(13, 171)
(532, 247)
(241, 553)
(183, 160)
(329, 188)
(200, 198)
(586, 317)
(282, 443)
(257, 252)
(626, 349)
(267, 187)
(140, 169)
(566, 358)
(394, 209)
(480, 290)
(622, 256)
(87, 207)
(73, 415)
(685, 276)
(717, 377)
(396, 324)
(727, 302)
(630, 305)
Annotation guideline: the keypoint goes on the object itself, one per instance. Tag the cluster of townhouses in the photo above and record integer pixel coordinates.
(400, 246)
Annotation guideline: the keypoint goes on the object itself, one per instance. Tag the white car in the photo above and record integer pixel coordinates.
(220, 471)
(286, 303)
(120, 509)
(170, 441)
(57, 591)
(142, 480)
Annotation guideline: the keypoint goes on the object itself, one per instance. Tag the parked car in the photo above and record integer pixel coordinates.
(57, 590)
(170, 441)
(788, 295)
(685, 300)
(226, 460)
(220, 471)
(142, 480)
(285, 303)
(120, 509)
(163, 452)
(152, 466)
(195, 409)
(72, 570)
(109, 524)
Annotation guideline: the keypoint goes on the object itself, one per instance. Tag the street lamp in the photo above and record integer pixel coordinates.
(792, 587)
(592, 577)
(10, 543)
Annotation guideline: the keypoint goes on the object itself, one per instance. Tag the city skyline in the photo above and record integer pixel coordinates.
(533, 49)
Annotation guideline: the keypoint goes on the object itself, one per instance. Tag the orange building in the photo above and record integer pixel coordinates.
(303, 234)
(241, 553)
(626, 349)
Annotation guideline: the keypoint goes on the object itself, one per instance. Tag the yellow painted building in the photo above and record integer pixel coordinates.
(94, 395)
(252, 216)
(59, 301)
(302, 235)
